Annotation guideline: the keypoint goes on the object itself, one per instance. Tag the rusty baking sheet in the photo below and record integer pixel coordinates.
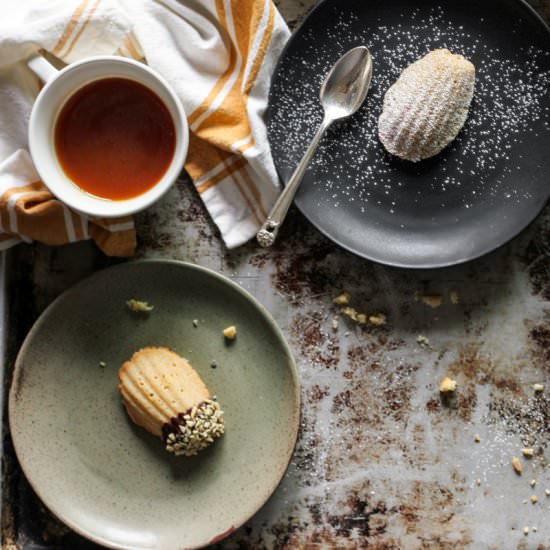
(382, 461)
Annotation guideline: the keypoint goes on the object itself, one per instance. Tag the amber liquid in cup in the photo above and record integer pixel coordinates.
(114, 138)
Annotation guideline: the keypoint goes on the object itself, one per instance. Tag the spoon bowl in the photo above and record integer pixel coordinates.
(346, 85)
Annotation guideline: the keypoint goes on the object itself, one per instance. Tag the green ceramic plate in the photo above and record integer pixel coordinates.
(110, 480)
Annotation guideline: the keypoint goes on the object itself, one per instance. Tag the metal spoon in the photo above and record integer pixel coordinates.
(342, 93)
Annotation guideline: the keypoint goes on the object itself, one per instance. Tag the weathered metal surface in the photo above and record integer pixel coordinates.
(381, 461)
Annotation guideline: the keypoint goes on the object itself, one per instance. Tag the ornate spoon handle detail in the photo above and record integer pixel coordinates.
(268, 232)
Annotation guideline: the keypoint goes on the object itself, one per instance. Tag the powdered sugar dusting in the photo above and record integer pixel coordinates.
(510, 103)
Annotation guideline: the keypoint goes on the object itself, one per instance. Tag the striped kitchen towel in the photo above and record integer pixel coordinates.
(217, 54)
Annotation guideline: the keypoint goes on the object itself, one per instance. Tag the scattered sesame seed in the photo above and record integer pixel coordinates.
(477, 439)
(547, 492)
(538, 387)
(335, 322)
(526, 530)
(534, 499)
(533, 482)
(453, 296)
(195, 323)
(102, 364)
(478, 481)
(516, 464)
(528, 453)
(213, 364)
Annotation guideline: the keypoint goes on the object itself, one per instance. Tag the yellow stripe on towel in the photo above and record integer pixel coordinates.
(81, 30)
(70, 27)
(224, 78)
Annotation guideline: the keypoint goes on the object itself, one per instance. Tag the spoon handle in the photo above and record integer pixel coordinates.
(268, 232)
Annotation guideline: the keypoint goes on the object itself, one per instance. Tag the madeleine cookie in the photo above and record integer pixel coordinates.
(164, 394)
(427, 106)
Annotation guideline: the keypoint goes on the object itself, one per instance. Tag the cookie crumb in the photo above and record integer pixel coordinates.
(423, 340)
(538, 387)
(432, 300)
(139, 306)
(528, 453)
(447, 385)
(230, 332)
(534, 499)
(516, 464)
(377, 320)
(350, 312)
(342, 299)
(361, 318)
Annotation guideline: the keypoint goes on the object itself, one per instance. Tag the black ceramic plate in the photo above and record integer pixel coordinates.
(481, 191)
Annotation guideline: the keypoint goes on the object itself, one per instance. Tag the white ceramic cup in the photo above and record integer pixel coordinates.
(59, 87)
